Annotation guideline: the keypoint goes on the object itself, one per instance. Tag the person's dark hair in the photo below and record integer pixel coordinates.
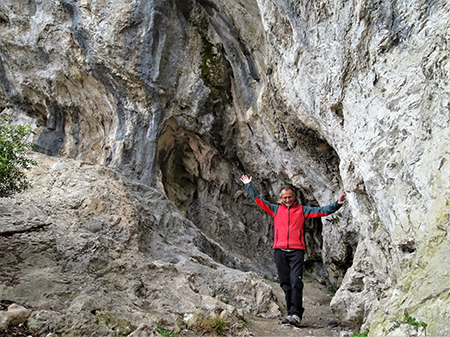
(287, 187)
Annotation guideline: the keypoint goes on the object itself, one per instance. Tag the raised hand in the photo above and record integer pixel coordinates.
(246, 179)
(342, 198)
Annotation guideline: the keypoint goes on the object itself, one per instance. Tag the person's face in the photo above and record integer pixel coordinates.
(287, 197)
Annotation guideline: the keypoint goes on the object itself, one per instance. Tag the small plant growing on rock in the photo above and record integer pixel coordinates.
(165, 333)
(245, 323)
(411, 321)
(215, 325)
(363, 334)
(359, 321)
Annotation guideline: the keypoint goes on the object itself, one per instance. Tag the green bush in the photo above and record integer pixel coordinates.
(13, 160)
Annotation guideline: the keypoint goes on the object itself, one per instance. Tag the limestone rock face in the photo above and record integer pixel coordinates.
(113, 255)
(179, 98)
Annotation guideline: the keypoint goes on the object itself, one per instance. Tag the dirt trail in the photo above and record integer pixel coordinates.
(318, 319)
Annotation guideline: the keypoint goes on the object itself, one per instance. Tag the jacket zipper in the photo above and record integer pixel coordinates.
(300, 238)
(289, 226)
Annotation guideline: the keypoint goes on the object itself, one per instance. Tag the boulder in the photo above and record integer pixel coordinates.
(15, 315)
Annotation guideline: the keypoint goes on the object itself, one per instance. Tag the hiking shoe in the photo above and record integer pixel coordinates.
(295, 321)
(285, 320)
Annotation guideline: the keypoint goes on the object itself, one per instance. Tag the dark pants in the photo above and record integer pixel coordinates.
(290, 273)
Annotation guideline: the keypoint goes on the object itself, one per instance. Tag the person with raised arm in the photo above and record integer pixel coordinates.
(289, 242)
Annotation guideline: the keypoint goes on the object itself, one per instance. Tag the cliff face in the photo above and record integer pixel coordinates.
(184, 96)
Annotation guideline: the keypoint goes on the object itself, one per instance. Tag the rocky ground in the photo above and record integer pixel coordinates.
(318, 320)
(19, 332)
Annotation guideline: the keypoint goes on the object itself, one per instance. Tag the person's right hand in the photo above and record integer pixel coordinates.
(245, 179)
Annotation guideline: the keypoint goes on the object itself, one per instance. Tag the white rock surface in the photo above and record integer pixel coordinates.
(185, 96)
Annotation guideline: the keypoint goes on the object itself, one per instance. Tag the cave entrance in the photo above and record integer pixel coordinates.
(178, 165)
(327, 267)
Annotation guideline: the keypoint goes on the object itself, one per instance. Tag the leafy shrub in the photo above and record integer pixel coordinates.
(13, 160)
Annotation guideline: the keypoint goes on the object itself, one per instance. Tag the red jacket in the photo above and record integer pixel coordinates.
(289, 221)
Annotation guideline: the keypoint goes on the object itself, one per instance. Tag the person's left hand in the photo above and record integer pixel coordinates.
(341, 200)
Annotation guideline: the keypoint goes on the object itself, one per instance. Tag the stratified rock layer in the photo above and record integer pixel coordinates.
(109, 255)
(185, 96)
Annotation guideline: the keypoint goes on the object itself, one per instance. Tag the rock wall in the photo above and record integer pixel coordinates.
(185, 96)
(92, 253)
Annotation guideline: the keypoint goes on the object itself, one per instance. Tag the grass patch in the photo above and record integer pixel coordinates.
(165, 333)
(215, 325)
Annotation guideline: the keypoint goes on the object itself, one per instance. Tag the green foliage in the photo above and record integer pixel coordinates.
(218, 325)
(409, 320)
(245, 323)
(13, 145)
(412, 321)
(363, 334)
(165, 333)
(215, 325)
(214, 71)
